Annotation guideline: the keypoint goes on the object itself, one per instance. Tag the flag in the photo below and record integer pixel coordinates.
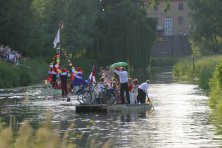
(92, 78)
(57, 39)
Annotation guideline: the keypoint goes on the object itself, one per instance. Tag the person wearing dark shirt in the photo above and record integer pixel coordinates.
(63, 78)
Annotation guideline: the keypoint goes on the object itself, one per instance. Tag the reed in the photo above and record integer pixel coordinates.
(26, 73)
(45, 136)
(216, 87)
(163, 61)
(198, 69)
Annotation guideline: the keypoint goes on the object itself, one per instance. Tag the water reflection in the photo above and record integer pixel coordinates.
(181, 118)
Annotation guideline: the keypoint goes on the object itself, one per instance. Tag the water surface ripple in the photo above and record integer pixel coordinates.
(181, 117)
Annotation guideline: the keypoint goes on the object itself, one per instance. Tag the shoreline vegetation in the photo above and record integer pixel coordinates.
(34, 71)
(26, 73)
(206, 72)
(47, 135)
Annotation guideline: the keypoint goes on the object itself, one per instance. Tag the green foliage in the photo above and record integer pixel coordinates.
(198, 68)
(184, 69)
(206, 27)
(29, 72)
(106, 31)
(123, 33)
(163, 61)
(216, 88)
(9, 75)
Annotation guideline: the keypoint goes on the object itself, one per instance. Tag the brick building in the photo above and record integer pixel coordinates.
(172, 28)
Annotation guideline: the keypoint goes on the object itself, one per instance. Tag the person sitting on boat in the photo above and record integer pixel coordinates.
(142, 92)
(101, 85)
(123, 76)
(64, 78)
(114, 84)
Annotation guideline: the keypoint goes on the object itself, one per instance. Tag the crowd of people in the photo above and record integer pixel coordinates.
(9, 55)
(129, 91)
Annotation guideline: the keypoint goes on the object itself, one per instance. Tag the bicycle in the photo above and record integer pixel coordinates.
(84, 95)
(107, 96)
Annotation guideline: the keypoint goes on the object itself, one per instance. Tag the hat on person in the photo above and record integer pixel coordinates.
(147, 81)
(64, 70)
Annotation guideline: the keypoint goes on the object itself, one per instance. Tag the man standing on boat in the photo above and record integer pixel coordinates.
(123, 77)
(64, 77)
(142, 92)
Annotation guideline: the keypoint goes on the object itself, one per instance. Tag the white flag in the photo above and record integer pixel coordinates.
(57, 39)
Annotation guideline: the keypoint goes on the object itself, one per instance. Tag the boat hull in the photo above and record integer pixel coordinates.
(97, 108)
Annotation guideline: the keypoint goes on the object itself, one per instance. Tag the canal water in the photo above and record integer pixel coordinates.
(180, 118)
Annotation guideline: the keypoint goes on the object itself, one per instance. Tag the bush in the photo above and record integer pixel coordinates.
(28, 72)
(9, 75)
(199, 68)
(163, 61)
(216, 88)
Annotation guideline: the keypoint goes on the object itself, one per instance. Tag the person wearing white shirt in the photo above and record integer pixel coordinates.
(123, 77)
(142, 92)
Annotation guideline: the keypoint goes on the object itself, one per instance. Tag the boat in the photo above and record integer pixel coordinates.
(101, 108)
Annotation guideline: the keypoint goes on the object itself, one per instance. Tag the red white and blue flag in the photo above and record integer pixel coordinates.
(92, 78)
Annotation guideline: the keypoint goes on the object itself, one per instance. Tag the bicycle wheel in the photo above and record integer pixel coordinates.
(114, 96)
(84, 97)
(108, 99)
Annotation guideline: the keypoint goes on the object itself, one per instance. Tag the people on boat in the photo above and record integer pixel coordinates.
(114, 84)
(64, 78)
(107, 75)
(130, 89)
(53, 76)
(143, 92)
(123, 76)
(135, 91)
(101, 85)
(78, 81)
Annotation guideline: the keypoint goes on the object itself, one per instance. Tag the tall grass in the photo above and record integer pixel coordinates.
(28, 72)
(46, 136)
(198, 68)
(163, 61)
(216, 88)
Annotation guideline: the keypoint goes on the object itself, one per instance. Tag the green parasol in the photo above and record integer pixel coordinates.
(121, 64)
(113, 66)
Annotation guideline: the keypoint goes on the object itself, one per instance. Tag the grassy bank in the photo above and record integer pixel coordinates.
(34, 71)
(216, 88)
(199, 69)
(208, 73)
(163, 61)
(27, 73)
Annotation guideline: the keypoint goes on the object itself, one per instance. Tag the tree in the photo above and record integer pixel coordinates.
(124, 33)
(15, 22)
(206, 28)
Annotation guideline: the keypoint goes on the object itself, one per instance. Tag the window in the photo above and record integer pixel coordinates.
(180, 20)
(180, 6)
(168, 26)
